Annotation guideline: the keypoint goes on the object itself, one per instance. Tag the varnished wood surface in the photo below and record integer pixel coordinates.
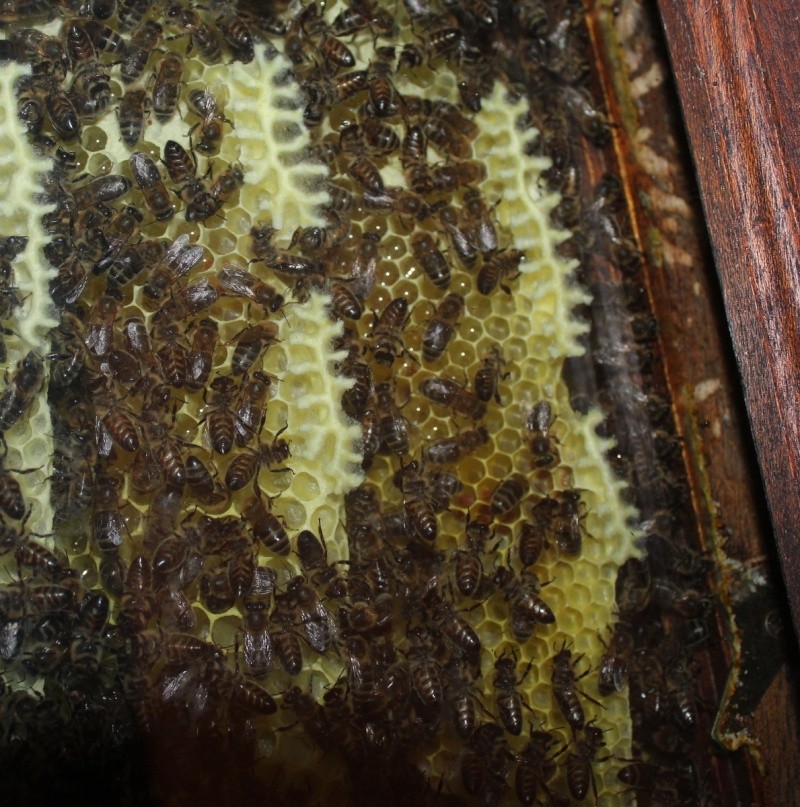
(734, 63)
(701, 373)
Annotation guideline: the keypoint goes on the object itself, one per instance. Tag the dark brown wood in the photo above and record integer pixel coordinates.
(701, 374)
(735, 67)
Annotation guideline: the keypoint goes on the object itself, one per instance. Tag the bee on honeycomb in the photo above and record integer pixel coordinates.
(304, 440)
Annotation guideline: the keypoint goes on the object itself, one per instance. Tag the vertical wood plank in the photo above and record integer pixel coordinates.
(735, 69)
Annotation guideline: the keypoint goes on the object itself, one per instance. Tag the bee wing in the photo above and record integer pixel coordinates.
(317, 625)
(363, 280)
(201, 295)
(443, 487)
(144, 170)
(187, 260)
(258, 651)
(11, 635)
(102, 438)
(237, 281)
(180, 257)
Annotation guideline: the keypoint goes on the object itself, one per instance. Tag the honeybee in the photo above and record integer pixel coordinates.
(449, 177)
(79, 46)
(258, 645)
(215, 589)
(21, 388)
(567, 526)
(288, 650)
(442, 326)
(425, 495)
(200, 359)
(182, 169)
(246, 466)
(186, 303)
(497, 268)
(387, 331)
(220, 419)
(615, 664)
(341, 200)
(166, 87)
(100, 190)
(392, 429)
(132, 260)
(202, 36)
(318, 625)
(382, 98)
(312, 551)
(123, 226)
(204, 104)
(120, 429)
(397, 199)
(237, 281)
(508, 494)
(166, 451)
(250, 407)
(413, 150)
(565, 688)
(534, 766)
(340, 88)
(112, 573)
(527, 608)
(378, 138)
(104, 38)
(142, 43)
(99, 328)
(336, 52)
(488, 376)
(177, 260)
(362, 270)
(447, 392)
(131, 13)
(542, 445)
(355, 399)
(32, 46)
(68, 351)
(237, 35)
(108, 526)
(426, 673)
(450, 450)
(344, 303)
(468, 567)
(90, 91)
(431, 259)
(266, 526)
(202, 486)
(12, 502)
(594, 126)
(461, 237)
(251, 342)
(579, 763)
(315, 241)
(479, 215)
(171, 356)
(147, 177)
(366, 174)
(506, 697)
(209, 203)
(441, 41)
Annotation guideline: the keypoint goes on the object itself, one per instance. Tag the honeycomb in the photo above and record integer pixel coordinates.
(526, 324)
(21, 210)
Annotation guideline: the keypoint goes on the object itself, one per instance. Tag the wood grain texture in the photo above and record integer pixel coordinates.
(735, 68)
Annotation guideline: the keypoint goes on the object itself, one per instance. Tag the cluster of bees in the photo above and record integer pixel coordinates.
(158, 410)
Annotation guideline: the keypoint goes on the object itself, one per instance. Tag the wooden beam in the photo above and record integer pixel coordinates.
(735, 66)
